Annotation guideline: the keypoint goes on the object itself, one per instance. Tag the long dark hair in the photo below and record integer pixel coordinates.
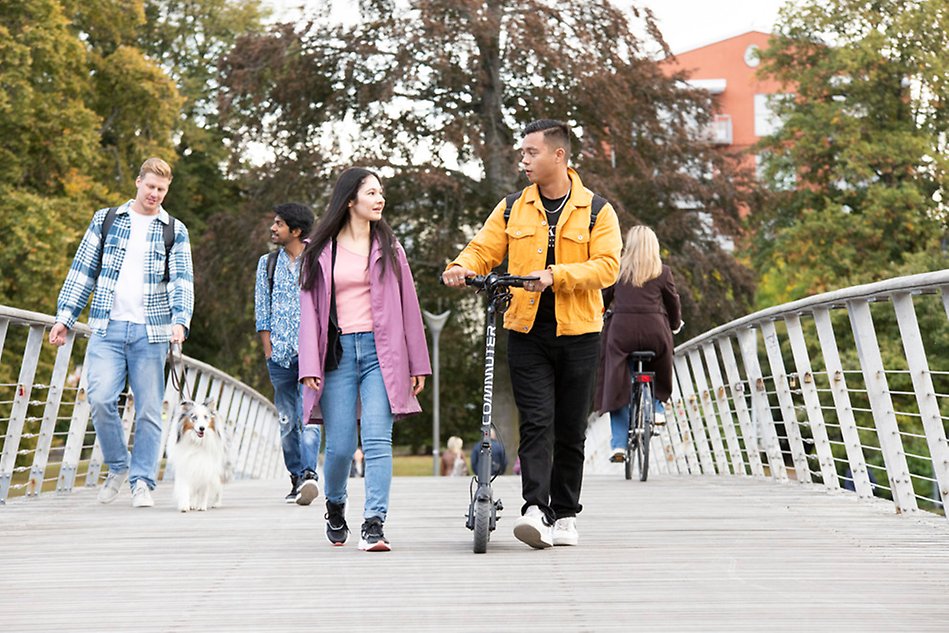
(333, 221)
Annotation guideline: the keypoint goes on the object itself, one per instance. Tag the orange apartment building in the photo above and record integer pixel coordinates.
(727, 69)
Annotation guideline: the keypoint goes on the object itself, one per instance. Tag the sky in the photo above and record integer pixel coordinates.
(685, 24)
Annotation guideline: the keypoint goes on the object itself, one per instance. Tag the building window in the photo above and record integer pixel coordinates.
(766, 121)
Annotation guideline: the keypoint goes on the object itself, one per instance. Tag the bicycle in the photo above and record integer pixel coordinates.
(641, 417)
(483, 508)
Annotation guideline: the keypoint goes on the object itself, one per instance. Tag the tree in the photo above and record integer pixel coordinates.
(435, 94)
(864, 136)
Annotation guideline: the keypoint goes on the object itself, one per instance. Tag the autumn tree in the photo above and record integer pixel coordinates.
(435, 92)
(859, 168)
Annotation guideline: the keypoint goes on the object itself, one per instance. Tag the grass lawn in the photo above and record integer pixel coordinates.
(412, 465)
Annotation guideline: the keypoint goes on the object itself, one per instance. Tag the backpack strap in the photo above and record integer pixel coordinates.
(598, 203)
(272, 270)
(107, 223)
(169, 234)
(509, 201)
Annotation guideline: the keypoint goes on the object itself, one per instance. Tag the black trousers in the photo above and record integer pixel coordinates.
(552, 377)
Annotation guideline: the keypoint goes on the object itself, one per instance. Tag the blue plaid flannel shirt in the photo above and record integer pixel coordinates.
(165, 304)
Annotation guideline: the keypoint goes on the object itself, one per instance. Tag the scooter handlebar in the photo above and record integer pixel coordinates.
(494, 280)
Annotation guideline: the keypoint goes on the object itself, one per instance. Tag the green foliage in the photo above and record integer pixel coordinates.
(864, 135)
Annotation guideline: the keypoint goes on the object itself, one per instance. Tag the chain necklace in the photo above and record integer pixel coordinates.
(562, 202)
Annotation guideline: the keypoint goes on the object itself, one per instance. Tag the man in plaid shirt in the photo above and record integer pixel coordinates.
(135, 314)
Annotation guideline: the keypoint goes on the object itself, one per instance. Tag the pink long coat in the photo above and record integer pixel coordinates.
(397, 328)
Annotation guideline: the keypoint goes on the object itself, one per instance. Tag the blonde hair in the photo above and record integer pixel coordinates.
(155, 166)
(640, 262)
(455, 444)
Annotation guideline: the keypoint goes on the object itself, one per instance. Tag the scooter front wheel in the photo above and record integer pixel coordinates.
(482, 525)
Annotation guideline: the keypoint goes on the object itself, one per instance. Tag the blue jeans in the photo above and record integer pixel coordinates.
(619, 419)
(358, 377)
(619, 424)
(300, 443)
(125, 353)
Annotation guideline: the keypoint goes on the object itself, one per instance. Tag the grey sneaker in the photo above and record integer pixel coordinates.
(141, 495)
(308, 489)
(110, 488)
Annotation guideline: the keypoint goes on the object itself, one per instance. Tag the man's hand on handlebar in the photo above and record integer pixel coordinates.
(545, 279)
(455, 276)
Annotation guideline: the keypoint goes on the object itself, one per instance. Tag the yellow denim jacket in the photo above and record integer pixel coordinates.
(587, 261)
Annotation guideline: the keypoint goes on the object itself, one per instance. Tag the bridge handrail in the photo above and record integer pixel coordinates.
(910, 283)
(800, 408)
(250, 420)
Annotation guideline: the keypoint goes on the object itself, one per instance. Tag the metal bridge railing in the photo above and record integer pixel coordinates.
(842, 393)
(48, 439)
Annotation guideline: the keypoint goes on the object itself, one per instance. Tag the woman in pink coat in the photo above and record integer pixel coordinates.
(361, 340)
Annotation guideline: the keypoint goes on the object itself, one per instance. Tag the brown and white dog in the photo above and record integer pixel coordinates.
(200, 457)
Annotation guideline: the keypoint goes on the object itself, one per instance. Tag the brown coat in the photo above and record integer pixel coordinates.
(642, 319)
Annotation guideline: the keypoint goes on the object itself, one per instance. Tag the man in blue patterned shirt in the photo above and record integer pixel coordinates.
(277, 310)
(141, 304)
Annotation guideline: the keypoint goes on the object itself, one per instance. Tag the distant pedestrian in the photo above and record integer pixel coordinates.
(453, 459)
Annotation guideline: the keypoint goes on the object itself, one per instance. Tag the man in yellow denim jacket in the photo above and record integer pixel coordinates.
(559, 231)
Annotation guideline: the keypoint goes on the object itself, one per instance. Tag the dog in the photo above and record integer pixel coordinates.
(200, 458)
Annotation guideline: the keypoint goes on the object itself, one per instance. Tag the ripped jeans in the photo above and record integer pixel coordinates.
(300, 443)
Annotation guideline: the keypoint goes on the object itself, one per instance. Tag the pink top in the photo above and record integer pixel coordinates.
(353, 305)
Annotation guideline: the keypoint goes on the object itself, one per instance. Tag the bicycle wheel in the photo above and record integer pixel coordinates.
(644, 430)
(482, 520)
(631, 439)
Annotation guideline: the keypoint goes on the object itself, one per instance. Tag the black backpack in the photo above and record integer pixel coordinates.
(168, 233)
(595, 207)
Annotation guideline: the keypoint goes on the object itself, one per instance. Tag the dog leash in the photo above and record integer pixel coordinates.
(178, 381)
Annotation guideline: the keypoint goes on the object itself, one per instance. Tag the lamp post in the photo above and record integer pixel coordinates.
(435, 322)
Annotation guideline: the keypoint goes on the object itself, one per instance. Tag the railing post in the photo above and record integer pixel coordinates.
(50, 413)
(708, 412)
(838, 388)
(21, 403)
(785, 402)
(878, 392)
(745, 423)
(76, 435)
(748, 342)
(925, 392)
(812, 406)
(724, 410)
(692, 411)
(681, 440)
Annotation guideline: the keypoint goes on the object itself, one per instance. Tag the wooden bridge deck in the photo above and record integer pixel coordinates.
(676, 554)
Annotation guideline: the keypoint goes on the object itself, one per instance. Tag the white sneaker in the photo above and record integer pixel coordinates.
(141, 495)
(532, 529)
(565, 531)
(110, 488)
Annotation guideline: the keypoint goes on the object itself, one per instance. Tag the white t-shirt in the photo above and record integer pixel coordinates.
(128, 303)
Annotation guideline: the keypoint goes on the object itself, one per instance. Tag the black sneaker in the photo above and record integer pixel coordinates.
(308, 489)
(336, 529)
(372, 539)
(294, 489)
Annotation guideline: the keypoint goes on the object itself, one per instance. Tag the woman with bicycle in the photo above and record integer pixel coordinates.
(361, 339)
(643, 310)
